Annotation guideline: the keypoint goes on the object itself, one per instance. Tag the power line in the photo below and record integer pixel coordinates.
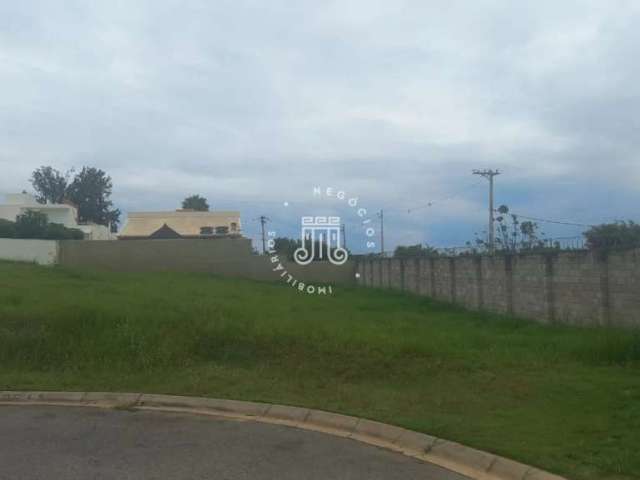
(431, 203)
(443, 199)
(558, 222)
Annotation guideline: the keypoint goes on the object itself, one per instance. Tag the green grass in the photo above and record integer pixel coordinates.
(561, 398)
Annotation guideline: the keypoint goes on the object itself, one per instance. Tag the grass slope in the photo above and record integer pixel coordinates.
(561, 398)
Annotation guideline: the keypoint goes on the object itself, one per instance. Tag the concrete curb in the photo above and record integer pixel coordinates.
(473, 463)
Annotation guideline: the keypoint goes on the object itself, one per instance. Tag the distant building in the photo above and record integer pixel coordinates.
(63, 213)
(181, 224)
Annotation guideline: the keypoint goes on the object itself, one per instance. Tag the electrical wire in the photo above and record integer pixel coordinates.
(557, 222)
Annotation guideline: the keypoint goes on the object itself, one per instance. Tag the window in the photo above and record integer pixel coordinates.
(206, 230)
(222, 230)
(234, 226)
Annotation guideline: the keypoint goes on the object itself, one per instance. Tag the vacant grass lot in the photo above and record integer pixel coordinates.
(564, 399)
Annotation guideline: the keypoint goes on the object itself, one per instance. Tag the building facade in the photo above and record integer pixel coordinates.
(62, 213)
(181, 224)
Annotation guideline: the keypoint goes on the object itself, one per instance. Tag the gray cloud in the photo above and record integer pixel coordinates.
(252, 103)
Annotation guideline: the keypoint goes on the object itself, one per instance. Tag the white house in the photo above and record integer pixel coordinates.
(62, 213)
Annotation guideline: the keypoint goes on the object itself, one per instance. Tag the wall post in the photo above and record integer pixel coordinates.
(605, 292)
(550, 295)
(477, 261)
(508, 272)
(452, 280)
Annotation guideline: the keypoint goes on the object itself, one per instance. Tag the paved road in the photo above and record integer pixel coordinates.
(86, 443)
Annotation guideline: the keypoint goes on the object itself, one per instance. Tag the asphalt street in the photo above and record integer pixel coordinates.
(69, 443)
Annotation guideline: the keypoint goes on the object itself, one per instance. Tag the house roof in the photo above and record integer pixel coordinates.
(165, 231)
(183, 222)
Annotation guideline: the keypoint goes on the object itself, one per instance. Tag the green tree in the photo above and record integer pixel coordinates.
(50, 185)
(57, 231)
(7, 228)
(613, 235)
(31, 224)
(90, 191)
(286, 246)
(514, 235)
(34, 224)
(195, 202)
(415, 251)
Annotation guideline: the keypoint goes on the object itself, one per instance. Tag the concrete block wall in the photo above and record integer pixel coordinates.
(411, 272)
(230, 257)
(531, 282)
(496, 287)
(396, 273)
(623, 273)
(427, 277)
(577, 288)
(385, 272)
(443, 281)
(465, 273)
(148, 255)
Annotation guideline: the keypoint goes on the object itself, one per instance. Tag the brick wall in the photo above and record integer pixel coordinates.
(578, 288)
(225, 256)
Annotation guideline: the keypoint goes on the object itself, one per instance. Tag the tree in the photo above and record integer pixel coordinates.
(613, 235)
(90, 191)
(50, 185)
(7, 228)
(529, 234)
(31, 224)
(57, 231)
(286, 246)
(515, 236)
(415, 251)
(34, 224)
(195, 202)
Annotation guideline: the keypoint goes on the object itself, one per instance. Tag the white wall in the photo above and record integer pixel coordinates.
(93, 231)
(19, 203)
(43, 252)
(10, 212)
(64, 214)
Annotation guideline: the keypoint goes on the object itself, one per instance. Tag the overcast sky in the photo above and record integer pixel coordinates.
(252, 103)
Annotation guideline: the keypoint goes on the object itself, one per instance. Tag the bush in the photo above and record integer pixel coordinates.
(31, 224)
(7, 228)
(57, 231)
(34, 225)
(614, 235)
(415, 251)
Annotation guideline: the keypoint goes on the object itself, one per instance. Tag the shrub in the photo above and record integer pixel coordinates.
(413, 251)
(57, 231)
(7, 228)
(614, 235)
(31, 224)
(34, 224)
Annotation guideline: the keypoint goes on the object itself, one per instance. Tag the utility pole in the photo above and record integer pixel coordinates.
(344, 236)
(263, 220)
(381, 215)
(489, 174)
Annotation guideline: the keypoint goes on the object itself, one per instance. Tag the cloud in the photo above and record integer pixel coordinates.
(252, 103)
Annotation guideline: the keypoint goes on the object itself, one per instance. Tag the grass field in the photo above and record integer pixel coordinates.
(563, 399)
